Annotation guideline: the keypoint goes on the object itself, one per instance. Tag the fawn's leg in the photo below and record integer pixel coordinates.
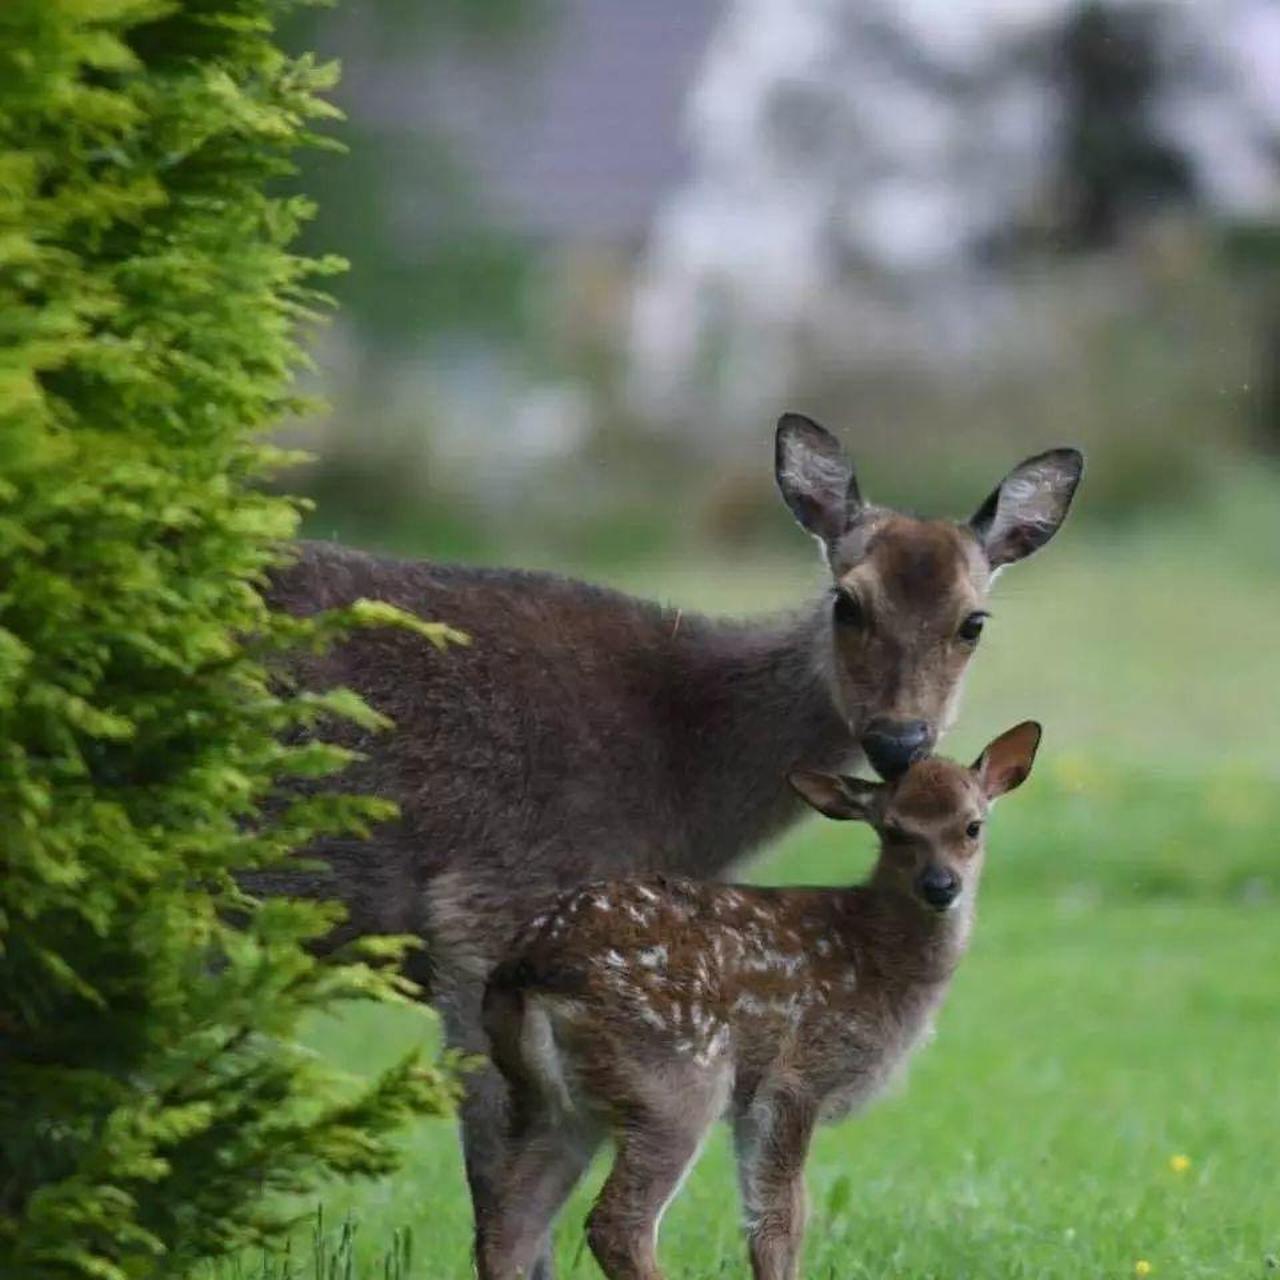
(656, 1148)
(771, 1137)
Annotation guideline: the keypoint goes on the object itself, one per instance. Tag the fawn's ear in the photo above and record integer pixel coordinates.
(1027, 507)
(816, 478)
(847, 799)
(1006, 762)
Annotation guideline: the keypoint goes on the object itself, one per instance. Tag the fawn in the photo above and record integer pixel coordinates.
(645, 1009)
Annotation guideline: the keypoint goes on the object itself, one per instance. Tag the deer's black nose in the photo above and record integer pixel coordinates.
(891, 745)
(938, 887)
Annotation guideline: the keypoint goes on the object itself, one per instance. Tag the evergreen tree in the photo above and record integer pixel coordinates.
(153, 1097)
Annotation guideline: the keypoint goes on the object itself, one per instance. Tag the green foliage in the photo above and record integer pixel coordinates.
(153, 1097)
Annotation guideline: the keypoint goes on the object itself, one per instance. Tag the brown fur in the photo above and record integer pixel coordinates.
(585, 734)
(643, 1009)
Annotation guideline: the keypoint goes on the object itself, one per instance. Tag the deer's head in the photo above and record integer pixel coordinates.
(932, 820)
(908, 599)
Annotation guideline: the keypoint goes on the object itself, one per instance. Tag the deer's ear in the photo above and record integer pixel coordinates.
(1026, 508)
(816, 478)
(846, 799)
(1006, 762)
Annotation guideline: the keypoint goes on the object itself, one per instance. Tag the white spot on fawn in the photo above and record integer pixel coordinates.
(650, 1015)
(714, 1047)
(653, 957)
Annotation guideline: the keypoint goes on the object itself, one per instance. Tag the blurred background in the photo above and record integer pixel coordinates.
(596, 247)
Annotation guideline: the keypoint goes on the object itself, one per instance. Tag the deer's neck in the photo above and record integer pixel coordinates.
(751, 704)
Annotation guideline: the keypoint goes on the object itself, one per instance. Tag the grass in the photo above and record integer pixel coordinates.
(1120, 1006)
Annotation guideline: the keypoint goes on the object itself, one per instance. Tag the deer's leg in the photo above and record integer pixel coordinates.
(656, 1148)
(771, 1137)
(544, 1161)
(483, 1113)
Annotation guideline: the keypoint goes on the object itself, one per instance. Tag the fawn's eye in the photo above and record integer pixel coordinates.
(971, 627)
(847, 611)
(972, 829)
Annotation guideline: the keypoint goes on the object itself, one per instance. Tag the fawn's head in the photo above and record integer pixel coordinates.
(909, 596)
(932, 820)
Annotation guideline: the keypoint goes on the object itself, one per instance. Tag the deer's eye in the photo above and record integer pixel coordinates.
(972, 829)
(971, 627)
(847, 611)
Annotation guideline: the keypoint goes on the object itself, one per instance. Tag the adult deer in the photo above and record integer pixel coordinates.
(584, 734)
(648, 1008)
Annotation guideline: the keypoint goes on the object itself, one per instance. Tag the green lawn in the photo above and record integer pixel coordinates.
(1121, 1005)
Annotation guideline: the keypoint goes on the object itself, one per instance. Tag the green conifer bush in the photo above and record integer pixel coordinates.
(153, 1097)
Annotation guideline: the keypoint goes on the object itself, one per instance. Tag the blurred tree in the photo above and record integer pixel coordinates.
(153, 1095)
(1252, 251)
(1113, 163)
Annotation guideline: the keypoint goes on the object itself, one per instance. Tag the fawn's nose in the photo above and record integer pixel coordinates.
(891, 745)
(938, 887)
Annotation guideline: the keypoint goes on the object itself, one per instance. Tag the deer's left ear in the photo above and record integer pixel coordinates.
(815, 477)
(1027, 507)
(846, 799)
(1006, 762)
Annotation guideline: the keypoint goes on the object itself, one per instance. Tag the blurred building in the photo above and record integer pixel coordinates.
(928, 214)
(866, 173)
(569, 140)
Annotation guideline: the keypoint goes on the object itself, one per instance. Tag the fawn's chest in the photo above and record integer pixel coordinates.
(845, 1048)
(854, 1053)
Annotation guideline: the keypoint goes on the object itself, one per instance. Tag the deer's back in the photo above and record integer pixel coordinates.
(520, 762)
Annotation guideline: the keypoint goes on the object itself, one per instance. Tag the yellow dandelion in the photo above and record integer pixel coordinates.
(1142, 1267)
(1179, 1164)
(1077, 773)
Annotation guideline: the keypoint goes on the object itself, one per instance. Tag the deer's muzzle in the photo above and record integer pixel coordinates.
(891, 745)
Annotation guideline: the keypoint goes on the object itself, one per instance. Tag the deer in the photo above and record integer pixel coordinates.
(584, 733)
(646, 1009)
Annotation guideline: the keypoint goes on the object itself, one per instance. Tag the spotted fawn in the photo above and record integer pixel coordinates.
(645, 1009)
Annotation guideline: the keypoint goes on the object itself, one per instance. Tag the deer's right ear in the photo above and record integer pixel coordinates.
(846, 799)
(1027, 507)
(815, 477)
